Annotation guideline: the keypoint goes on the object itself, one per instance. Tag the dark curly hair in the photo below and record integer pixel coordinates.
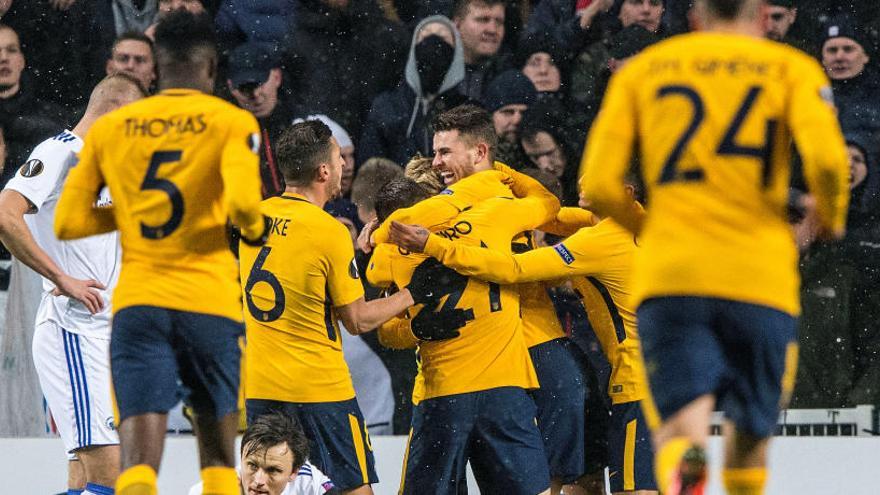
(272, 429)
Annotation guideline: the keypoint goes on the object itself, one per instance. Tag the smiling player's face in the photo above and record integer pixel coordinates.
(454, 159)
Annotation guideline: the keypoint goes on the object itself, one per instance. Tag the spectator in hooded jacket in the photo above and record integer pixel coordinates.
(854, 80)
(398, 126)
(551, 148)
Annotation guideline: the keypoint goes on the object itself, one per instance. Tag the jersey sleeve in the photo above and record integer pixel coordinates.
(343, 279)
(530, 212)
(821, 145)
(39, 175)
(76, 214)
(577, 255)
(609, 151)
(240, 168)
(439, 209)
(379, 268)
(396, 333)
(569, 220)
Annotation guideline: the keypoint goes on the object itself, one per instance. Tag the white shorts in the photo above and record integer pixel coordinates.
(74, 373)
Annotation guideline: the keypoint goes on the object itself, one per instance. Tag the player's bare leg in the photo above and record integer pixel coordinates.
(100, 464)
(745, 471)
(216, 439)
(680, 444)
(141, 440)
(76, 476)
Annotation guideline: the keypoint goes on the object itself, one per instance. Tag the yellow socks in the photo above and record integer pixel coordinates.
(668, 459)
(137, 480)
(220, 481)
(745, 481)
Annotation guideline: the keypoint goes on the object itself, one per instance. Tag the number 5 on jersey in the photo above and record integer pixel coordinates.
(153, 183)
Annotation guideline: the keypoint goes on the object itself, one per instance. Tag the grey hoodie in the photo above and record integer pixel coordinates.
(454, 75)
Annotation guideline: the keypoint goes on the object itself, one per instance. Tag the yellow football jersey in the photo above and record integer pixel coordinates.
(539, 319)
(713, 116)
(599, 262)
(491, 351)
(177, 165)
(290, 287)
(439, 209)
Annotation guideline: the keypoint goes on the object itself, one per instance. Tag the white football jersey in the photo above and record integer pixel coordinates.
(99, 257)
(309, 481)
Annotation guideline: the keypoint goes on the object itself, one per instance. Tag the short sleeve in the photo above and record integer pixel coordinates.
(343, 278)
(39, 176)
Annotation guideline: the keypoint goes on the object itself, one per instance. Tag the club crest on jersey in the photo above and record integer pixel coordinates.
(564, 253)
(253, 142)
(31, 168)
(353, 270)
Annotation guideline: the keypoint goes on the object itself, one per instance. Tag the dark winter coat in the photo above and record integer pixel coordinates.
(858, 102)
(398, 126)
(262, 21)
(27, 122)
(342, 59)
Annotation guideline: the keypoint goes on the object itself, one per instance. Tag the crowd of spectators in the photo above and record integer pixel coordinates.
(377, 71)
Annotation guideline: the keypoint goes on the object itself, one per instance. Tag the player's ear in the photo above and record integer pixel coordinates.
(482, 151)
(322, 173)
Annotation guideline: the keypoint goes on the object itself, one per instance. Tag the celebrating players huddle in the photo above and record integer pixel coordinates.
(705, 272)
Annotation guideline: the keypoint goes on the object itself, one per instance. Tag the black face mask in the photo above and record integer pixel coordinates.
(433, 58)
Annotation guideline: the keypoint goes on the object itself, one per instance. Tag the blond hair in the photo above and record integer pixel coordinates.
(420, 170)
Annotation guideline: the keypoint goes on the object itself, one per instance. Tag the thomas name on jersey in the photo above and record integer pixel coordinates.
(183, 124)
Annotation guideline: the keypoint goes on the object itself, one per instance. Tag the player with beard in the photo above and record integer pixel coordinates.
(295, 289)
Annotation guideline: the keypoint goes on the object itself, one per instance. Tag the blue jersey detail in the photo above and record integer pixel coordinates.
(564, 253)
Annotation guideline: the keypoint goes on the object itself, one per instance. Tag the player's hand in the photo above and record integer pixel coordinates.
(586, 15)
(410, 237)
(365, 238)
(430, 329)
(81, 290)
(431, 281)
